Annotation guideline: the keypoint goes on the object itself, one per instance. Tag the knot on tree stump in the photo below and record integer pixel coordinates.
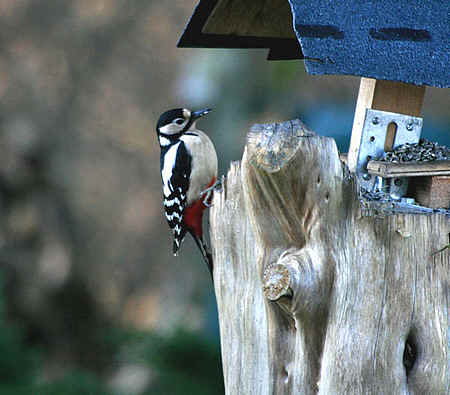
(277, 280)
(299, 281)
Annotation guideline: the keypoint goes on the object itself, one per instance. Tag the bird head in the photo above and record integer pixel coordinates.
(173, 123)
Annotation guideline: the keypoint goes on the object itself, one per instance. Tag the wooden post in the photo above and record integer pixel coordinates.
(382, 95)
(314, 296)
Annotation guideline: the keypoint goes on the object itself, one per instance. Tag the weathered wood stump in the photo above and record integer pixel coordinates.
(316, 295)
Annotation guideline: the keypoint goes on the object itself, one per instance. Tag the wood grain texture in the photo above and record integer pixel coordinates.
(382, 95)
(243, 328)
(264, 18)
(314, 297)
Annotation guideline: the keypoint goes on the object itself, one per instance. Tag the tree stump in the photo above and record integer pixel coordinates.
(316, 295)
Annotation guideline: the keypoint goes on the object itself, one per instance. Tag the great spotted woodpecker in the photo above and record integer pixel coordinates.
(189, 174)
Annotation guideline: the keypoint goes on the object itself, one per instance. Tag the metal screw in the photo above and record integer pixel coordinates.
(366, 176)
(375, 120)
(409, 126)
(398, 182)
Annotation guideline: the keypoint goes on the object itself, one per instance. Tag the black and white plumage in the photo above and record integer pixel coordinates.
(188, 170)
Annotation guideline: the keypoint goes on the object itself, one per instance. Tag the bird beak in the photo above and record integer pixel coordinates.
(198, 114)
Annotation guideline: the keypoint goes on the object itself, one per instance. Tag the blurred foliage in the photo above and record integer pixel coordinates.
(20, 366)
(73, 383)
(17, 363)
(181, 363)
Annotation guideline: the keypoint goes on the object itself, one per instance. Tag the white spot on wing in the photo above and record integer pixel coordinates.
(170, 217)
(170, 203)
(169, 163)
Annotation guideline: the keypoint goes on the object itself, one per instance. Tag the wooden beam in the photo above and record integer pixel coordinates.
(409, 169)
(382, 95)
(433, 192)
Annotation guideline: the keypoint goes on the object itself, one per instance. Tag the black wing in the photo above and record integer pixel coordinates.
(175, 190)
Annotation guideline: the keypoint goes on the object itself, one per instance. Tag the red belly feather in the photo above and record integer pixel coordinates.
(193, 215)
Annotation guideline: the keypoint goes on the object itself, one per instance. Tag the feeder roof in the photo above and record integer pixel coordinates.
(401, 40)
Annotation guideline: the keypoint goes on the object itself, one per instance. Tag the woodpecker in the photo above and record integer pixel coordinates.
(188, 173)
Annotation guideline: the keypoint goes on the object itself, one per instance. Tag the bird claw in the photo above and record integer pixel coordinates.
(208, 191)
(206, 198)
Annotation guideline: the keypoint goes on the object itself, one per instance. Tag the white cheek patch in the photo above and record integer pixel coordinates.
(171, 128)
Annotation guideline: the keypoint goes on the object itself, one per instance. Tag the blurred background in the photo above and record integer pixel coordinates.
(91, 299)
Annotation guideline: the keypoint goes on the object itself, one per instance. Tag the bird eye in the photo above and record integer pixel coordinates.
(178, 121)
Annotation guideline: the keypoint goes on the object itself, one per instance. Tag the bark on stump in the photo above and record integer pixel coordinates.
(316, 295)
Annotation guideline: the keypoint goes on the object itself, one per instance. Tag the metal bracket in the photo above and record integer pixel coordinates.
(373, 139)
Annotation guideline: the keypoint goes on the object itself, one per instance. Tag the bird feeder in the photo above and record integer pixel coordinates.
(396, 47)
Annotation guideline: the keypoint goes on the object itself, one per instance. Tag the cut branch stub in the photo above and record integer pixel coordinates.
(304, 281)
(291, 178)
(273, 145)
(277, 280)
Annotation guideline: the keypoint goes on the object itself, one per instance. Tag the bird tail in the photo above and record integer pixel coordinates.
(207, 256)
(177, 240)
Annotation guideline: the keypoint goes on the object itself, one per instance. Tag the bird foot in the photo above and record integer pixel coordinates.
(208, 191)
